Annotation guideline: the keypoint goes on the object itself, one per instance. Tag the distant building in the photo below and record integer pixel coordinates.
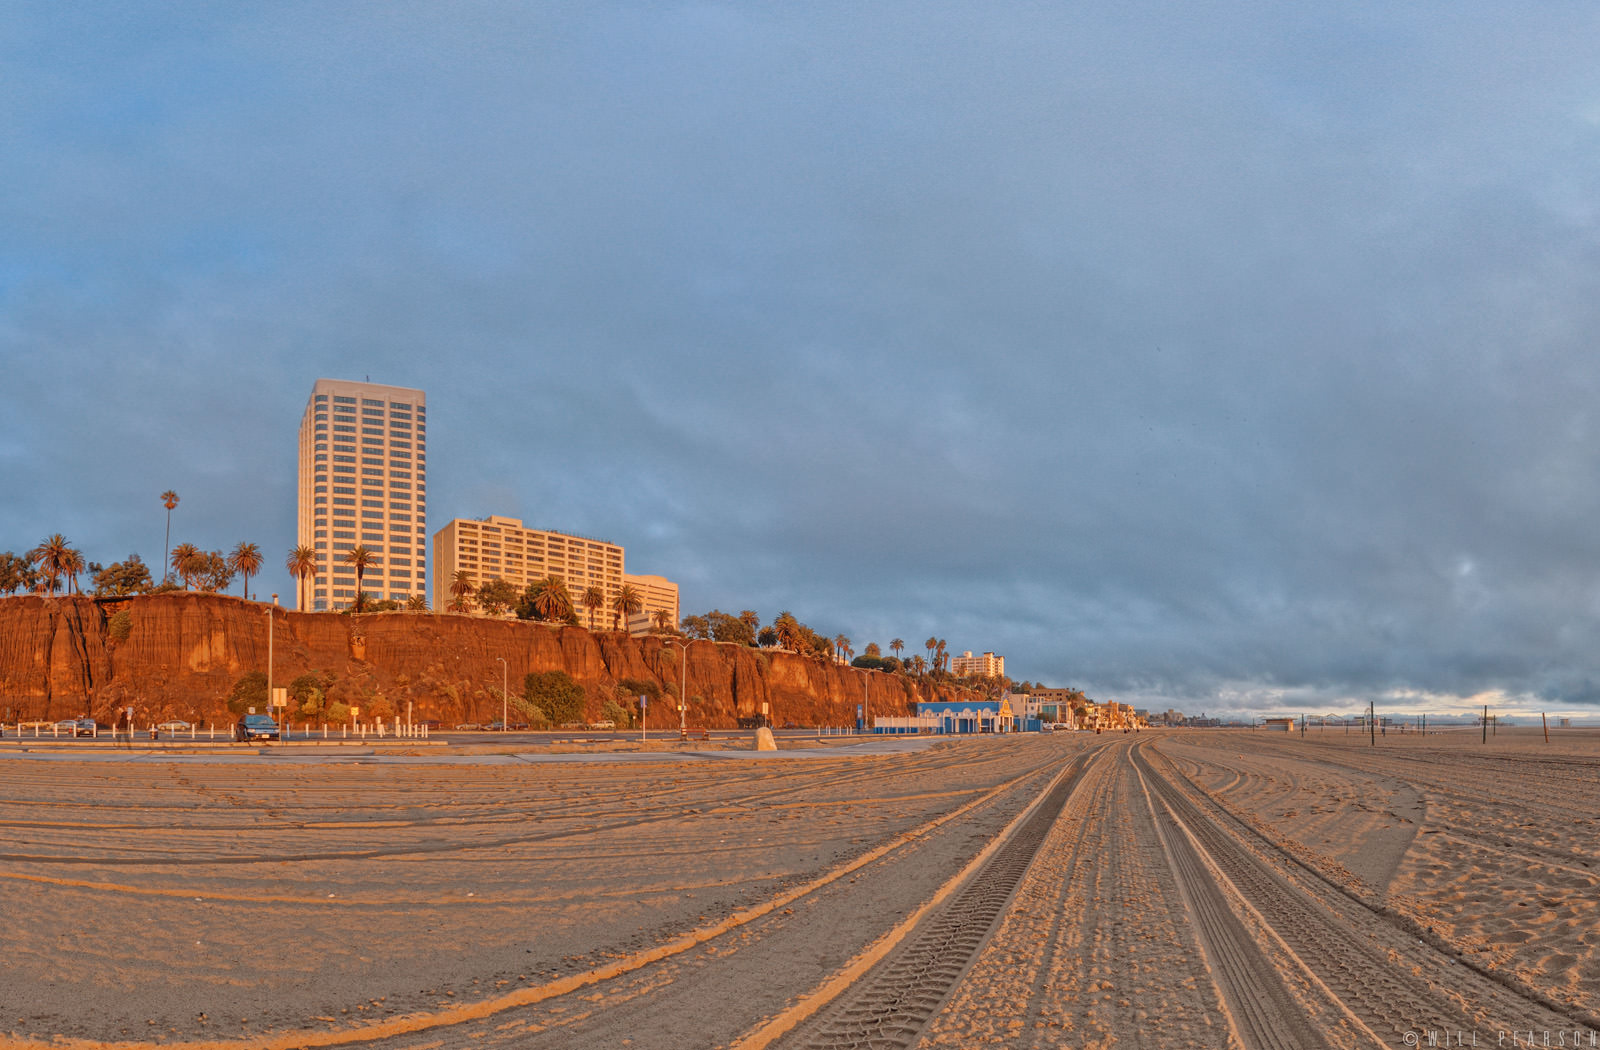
(363, 482)
(502, 548)
(659, 594)
(987, 665)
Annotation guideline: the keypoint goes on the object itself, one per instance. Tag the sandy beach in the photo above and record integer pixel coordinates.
(1209, 889)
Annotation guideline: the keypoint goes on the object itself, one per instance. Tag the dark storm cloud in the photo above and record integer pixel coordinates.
(1231, 359)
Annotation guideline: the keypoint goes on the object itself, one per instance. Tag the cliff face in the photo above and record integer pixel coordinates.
(183, 652)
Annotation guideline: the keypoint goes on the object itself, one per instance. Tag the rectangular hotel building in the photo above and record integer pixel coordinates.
(363, 482)
(502, 547)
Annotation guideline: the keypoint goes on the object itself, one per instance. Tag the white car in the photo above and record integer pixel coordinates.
(174, 726)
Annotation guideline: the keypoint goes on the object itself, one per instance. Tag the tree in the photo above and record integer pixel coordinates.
(841, 646)
(360, 558)
(246, 561)
(663, 619)
(121, 578)
(210, 570)
(625, 604)
(929, 645)
(940, 656)
(11, 570)
(169, 500)
(749, 618)
(72, 564)
(788, 631)
(918, 664)
(249, 691)
(594, 599)
(302, 564)
(461, 591)
(556, 694)
(417, 603)
(546, 599)
(697, 627)
(55, 557)
(183, 558)
(496, 596)
(725, 628)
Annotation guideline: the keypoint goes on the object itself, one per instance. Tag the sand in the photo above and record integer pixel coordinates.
(1208, 889)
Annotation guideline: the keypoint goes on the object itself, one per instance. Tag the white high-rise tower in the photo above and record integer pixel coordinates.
(363, 482)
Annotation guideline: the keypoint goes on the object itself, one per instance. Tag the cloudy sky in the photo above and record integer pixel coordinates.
(1232, 357)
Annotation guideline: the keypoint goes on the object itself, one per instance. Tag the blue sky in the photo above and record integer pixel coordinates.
(1236, 358)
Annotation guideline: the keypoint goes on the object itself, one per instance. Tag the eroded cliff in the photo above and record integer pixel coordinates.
(178, 655)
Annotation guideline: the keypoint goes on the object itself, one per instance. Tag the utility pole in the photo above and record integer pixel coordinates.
(683, 689)
(1372, 725)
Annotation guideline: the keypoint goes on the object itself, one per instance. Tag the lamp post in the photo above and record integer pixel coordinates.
(683, 686)
(270, 694)
(866, 705)
(505, 695)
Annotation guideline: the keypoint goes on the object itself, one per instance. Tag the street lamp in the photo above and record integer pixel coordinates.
(683, 686)
(866, 704)
(271, 696)
(505, 695)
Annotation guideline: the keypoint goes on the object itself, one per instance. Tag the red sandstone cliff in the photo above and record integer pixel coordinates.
(183, 652)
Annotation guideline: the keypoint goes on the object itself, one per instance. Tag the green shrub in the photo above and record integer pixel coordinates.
(120, 626)
(249, 691)
(556, 694)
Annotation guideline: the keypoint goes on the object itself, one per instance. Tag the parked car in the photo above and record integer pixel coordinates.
(496, 727)
(85, 727)
(469, 725)
(255, 727)
(68, 726)
(604, 723)
(175, 725)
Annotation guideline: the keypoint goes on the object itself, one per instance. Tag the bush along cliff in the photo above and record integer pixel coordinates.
(192, 656)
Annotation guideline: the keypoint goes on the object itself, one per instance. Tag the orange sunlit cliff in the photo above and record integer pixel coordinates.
(179, 654)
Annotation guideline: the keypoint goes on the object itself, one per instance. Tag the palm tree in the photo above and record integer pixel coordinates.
(246, 561)
(940, 656)
(929, 645)
(417, 603)
(360, 558)
(461, 591)
(788, 630)
(841, 645)
(918, 664)
(169, 500)
(625, 604)
(594, 599)
(302, 563)
(54, 557)
(72, 564)
(183, 559)
(551, 599)
(663, 619)
(897, 645)
(752, 621)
